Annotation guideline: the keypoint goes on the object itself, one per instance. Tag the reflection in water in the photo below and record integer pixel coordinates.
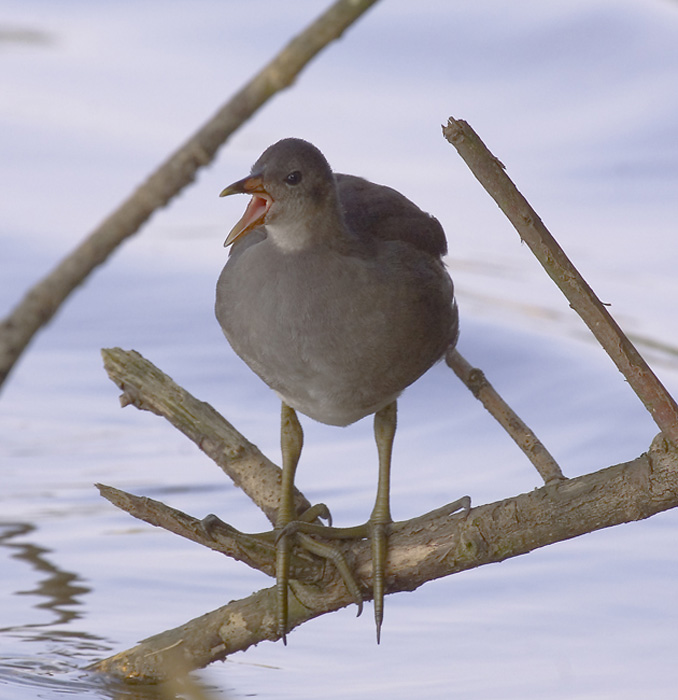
(59, 589)
(60, 592)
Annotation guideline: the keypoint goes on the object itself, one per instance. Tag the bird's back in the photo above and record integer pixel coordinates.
(378, 211)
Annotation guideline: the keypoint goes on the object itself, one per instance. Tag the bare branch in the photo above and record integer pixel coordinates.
(420, 550)
(146, 387)
(521, 434)
(43, 300)
(431, 546)
(257, 551)
(490, 173)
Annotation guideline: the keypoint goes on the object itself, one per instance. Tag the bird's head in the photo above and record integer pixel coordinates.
(292, 188)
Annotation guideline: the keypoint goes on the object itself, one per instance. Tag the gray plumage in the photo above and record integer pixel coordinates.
(337, 296)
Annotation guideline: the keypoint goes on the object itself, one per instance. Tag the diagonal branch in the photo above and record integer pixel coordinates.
(42, 301)
(257, 551)
(146, 387)
(420, 550)
(522, 435)
(490, 173)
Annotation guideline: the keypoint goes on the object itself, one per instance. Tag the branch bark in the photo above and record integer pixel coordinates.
(43, 300)
(146, 387)
(491, 174)
(257, 551)
(422, 549)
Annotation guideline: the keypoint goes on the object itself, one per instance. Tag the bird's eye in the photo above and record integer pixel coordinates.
(294, 178)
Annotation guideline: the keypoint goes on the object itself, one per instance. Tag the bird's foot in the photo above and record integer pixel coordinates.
(461, 507)
(315, 514)
(376, 530)
(298, 531)
(307, 532)
(285, 550)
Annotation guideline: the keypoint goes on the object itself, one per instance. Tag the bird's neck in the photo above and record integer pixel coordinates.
(323, 229)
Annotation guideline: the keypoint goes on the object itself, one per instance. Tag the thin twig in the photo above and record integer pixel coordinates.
(491, 175)
(521, 434)
(42, 301)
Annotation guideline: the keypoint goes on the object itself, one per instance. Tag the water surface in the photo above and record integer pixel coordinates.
(577, 99)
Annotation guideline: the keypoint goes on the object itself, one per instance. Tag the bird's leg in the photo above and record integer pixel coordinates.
(385, 421)
(376, 528)
(291, 526)
(291, 441)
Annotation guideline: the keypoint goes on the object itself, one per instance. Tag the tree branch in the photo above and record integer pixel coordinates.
(522, 435)
(490, 173)
(42, 301)
(422, 549)
(257, 551)
(146, 387)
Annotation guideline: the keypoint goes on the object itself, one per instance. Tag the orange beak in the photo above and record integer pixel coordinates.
(256, 209)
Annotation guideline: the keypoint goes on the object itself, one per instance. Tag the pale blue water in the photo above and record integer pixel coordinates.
(577, 99)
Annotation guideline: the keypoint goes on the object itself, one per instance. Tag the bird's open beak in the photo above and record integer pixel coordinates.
(256, 209)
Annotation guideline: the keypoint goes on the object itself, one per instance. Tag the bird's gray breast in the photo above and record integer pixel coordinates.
(336, 336)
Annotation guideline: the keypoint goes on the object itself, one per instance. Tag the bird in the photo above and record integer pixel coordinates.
(336, 295)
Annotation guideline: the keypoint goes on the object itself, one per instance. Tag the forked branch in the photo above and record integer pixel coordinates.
(420, 550)
(431, 546)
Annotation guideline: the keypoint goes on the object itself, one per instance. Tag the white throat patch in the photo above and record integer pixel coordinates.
(288, 239)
